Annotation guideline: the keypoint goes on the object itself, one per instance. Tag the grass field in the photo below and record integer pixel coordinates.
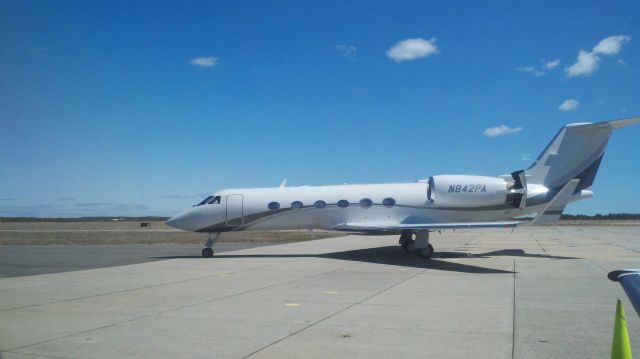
(128, 232)
(596, 222)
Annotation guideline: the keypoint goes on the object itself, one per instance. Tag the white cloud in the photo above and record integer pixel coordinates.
(204, 61)
(411, 49)
(347, 51)
(500, 130)
(586, 64)
(530, 69)
(611, 45)
(551, 64)
(587, 61)
(569, 105)
(545, 65)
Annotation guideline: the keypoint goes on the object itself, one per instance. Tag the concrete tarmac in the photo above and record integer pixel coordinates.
(534, 293)
(21, 260)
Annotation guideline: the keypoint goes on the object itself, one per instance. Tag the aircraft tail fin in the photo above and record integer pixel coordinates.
(574, 153)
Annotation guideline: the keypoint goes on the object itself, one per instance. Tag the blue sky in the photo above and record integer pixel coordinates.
(141, 108)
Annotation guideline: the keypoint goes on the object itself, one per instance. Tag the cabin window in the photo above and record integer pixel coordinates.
(343, 203)
(204, 201)
(320, 204)
(366, 203)
(296, 204)
(274, 205)
(388, 202)
(215, 200)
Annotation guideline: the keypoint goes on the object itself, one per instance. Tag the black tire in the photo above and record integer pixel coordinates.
(207, 253)
(425, 253)
(405, 236)
(407, 246)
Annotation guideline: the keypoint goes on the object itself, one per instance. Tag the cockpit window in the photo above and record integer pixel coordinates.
(215, 200)
(204, 201)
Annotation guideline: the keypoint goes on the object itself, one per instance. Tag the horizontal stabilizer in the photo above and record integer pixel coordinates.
(380, 227)
(610, 124)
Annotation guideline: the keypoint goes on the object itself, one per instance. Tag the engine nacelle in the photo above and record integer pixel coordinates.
(467, 191)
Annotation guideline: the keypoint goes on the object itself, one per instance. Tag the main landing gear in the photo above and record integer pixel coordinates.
(208, 252)
(420, 245)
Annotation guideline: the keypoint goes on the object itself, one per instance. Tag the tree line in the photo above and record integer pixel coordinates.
(598, 216)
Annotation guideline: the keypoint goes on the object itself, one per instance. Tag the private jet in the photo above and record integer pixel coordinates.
(563, 173)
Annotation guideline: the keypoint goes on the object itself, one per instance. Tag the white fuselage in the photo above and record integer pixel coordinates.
(249, 209)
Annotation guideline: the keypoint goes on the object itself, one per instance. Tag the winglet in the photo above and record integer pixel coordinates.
(629, 279)
(283, 184)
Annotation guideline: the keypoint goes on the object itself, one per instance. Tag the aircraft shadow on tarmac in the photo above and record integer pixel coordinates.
(392, 255)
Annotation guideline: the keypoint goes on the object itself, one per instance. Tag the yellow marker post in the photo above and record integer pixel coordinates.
(620, 346)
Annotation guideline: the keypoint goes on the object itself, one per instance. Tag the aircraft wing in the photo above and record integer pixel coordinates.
(630, 281)
(397, 227)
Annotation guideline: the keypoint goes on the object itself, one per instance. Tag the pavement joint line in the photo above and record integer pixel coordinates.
(602, 242)
(555, 229)
(513, 323)
(542, 248)
(416, 306)
(180, 307)
(336, 313)
(40, 355)
(429, 330)
(144, 287)
(598, 266)
(62, 337)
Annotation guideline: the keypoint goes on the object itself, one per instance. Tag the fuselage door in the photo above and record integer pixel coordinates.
(235, 210)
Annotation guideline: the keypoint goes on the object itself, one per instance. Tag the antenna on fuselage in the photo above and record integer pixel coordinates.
(283, 183)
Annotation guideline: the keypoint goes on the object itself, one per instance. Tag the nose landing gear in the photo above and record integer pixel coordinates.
(208, 252)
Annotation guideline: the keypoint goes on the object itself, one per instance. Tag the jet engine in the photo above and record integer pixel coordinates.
(467, 191)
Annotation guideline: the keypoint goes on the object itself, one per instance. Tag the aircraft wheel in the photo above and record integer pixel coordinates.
(425, 253)
(408, 245)
(207, 253)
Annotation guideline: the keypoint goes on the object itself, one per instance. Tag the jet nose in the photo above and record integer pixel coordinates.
(180, 221)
